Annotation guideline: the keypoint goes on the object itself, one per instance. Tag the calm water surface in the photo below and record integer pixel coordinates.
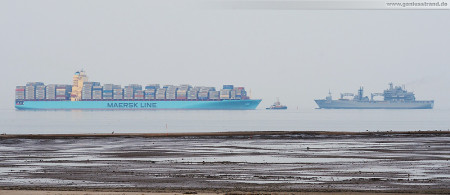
(173, 121)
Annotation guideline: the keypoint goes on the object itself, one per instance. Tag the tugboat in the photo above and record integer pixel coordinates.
(277, 106)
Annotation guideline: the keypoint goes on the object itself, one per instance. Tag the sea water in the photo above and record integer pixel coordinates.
(180, 121)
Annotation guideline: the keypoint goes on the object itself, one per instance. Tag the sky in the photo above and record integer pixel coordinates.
(296, 55)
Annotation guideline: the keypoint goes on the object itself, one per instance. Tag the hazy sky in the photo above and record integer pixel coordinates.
(297, 55)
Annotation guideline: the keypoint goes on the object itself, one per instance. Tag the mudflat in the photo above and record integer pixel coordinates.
(44, 192)
(237, 162)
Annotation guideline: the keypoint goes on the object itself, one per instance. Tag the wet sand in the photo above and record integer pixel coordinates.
(43, 192)
(230, 162)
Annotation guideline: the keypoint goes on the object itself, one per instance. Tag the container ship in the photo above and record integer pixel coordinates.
(83, 94)
(394, 98)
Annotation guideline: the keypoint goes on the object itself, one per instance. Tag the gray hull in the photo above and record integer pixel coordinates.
(350, 104)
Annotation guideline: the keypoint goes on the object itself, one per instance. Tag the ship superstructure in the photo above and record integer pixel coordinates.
(84, 94)
(393, 98)
(78, 80)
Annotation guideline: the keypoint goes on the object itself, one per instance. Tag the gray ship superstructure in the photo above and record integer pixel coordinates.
(394, 98)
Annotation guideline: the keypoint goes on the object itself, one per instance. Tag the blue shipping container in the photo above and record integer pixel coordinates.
(228, 86)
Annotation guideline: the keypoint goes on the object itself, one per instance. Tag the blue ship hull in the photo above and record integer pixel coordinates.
(138, 105)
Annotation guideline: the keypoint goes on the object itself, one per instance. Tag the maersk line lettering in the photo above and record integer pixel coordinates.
(131, 105)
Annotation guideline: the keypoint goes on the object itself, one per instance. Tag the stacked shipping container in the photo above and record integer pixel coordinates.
(50, 92)
(118, 94)
(40, 92)
(35, 83)
(214, 95)
(30, 92)
(171, 92)
(20, 92)
(86, 91)
(150, 91)
(182, 92)
(161, 93)
(94, 91)
(192, 94)
(240, 93)
(63, 92)
(108, 91)
(139, 94)
(97, 92)
(203, 93)
(128, 92)
(226, 92)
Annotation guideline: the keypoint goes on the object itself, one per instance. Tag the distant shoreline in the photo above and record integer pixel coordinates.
(263, 134)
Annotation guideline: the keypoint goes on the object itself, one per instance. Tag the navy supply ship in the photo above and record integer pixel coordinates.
(394, 98)
(83, 94)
